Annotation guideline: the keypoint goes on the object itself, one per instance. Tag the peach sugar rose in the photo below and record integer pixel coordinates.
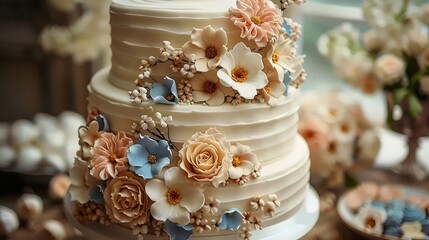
(125, 199)
(205, 157)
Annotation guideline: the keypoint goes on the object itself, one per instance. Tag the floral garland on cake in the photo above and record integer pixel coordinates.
(257, 69)
(140, 185)
(146, 183)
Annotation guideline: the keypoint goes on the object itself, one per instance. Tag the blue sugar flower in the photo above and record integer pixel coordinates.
(286, 81)
(394, 217)
(287, 27)
(103, 125)
(165, 93)
(96, 193)
(231, 219)
(378, 204)
(177, 232)
(149, 157)
(397, 204)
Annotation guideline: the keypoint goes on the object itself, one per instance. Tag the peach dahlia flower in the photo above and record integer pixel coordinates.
(110, 155)
(259, 20)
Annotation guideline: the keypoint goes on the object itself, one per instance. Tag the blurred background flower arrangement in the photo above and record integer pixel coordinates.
(392, 56)
(340, 138)
(87, 38)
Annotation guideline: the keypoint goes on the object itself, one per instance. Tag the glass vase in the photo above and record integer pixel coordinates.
(400, 120)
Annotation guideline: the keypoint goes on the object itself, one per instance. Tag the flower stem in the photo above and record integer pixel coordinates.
(403, 10)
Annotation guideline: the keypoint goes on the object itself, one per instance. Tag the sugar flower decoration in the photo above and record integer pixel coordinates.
(103, 124)
(8, 221)
(259, 20)
(110, 155)
(174, 198)
(207, 45)
(231, 220)
(177, 232)
(371, 219)
(207, 88)
(205, 158)
(275, 87)
(242, 70)
(282, 53)
(88, 135)
(243, 161)
(80, 181)
(149, 156)
(165, 93)
(125, 199)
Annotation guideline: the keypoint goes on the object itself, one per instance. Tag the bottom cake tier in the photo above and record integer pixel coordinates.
(301, 222)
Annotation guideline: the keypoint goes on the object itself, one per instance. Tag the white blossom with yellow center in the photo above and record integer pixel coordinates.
(242, 70)
(173, 197)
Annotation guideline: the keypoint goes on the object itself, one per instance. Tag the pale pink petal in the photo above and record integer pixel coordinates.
(173, 177)
(200, 96)
(197, 82)
(156, 189)
(196, 38)
(246, 90)
(235, 172)
(258, 80)
(209, 36)
(201, 64)
(79, 193)
(220, 37)
(193, 201)
(161, 210)
(216, 99)
(179, 215)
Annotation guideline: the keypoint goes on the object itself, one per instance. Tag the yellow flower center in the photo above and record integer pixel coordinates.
(112, 157)
(209, 87)
(370, 222)
(151, 158)
(211, 52)
(345, 128)
(170, 97)
(236, 161)
(275, 57)
(239, 74)
(173, 196)
(332, 147)
(256, 20)
(267, 88)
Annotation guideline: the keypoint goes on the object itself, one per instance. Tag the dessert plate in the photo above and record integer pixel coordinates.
(348, 217)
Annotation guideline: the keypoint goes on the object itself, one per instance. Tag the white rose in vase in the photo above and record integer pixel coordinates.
(389, 68)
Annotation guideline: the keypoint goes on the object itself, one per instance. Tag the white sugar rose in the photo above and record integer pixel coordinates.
(389, 68)
(205, 158)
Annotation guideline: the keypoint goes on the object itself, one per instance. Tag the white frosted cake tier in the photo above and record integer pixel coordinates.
(301, 223)
(268, 130)
(138, 29)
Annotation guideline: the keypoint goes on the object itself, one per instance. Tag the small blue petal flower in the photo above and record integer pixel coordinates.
(286, 81)
(394, 217)
(103, 125)
(165, 93)
(231, 219)
(96, 193)
(378, 204)
(149, 157)
(177, 232)
(397, 204)
(287, 27)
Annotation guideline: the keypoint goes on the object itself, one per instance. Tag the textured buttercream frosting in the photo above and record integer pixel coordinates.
(139, 28)
(269, 131)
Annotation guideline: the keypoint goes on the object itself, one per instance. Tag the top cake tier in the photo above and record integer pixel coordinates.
(140, 26)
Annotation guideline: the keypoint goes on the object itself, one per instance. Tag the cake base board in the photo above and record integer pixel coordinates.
(293, 228)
